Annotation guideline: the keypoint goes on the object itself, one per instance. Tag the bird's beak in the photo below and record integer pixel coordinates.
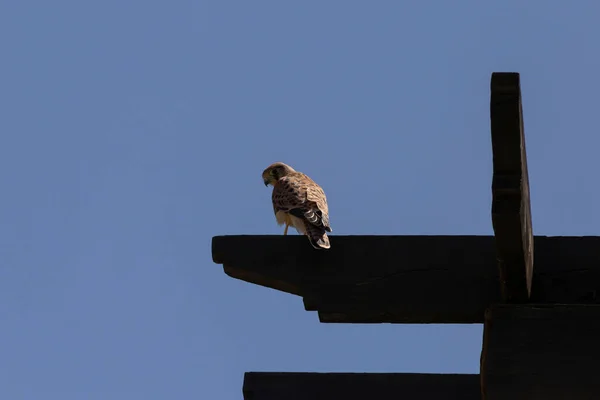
(266, 182)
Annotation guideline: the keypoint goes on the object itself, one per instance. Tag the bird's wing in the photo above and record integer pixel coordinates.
(316, 196)
(300, 196)
(288, 194)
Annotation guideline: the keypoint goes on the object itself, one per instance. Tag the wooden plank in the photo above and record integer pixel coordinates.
(511, 209)
(407, 279)
(416, 278)
(360, 386)
(541, 352)
(286, 263)
(567, 271)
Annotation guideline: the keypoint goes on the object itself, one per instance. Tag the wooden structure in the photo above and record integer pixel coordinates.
(540, 325)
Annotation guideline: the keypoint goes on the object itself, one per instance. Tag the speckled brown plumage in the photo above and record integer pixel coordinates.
(300, 202)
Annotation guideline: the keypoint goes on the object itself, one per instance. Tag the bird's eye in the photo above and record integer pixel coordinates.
(273, 172)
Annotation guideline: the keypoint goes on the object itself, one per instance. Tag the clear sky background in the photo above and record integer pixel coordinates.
(131, 132)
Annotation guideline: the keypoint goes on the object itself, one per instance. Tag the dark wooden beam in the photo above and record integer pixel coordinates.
(372, 278)
(407, 279)
(511, 210)
(541, 352)
(360, 386)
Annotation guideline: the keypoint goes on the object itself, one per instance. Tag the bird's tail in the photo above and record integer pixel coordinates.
(317, 237)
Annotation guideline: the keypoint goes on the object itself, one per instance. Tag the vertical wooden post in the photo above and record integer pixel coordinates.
(541, 351)
(511, 210)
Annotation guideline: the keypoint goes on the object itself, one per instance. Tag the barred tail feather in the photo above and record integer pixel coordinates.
(317, 237)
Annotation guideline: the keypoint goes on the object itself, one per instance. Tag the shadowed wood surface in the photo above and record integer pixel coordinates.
(407, 279)
(541, 352)
(360, 386)
(511, 209)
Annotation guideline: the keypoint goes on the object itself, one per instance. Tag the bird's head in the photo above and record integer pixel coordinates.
(276, 171)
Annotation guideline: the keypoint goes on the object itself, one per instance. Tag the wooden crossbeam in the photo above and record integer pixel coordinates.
(360, 386)
(511, 209)
(407, 279)
(541, 352)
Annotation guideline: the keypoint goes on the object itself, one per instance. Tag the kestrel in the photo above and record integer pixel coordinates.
(298, 201)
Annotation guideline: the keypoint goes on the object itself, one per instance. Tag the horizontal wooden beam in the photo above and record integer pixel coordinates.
(511, 208)
(541, 352)
(407, 279)
(360, 386)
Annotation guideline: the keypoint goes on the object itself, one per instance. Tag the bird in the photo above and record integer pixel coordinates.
(300, 202)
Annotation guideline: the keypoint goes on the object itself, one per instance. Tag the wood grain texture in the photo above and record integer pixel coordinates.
(360, 386)
(511, 209)
(541, 352)
(407, 279)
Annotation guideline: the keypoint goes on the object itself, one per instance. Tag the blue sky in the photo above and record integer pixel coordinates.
(134, 131)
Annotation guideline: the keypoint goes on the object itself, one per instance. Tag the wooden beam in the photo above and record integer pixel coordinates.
(541, 352)
(406, 279)
(360, 386)
(372, 278)
(511, 210)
